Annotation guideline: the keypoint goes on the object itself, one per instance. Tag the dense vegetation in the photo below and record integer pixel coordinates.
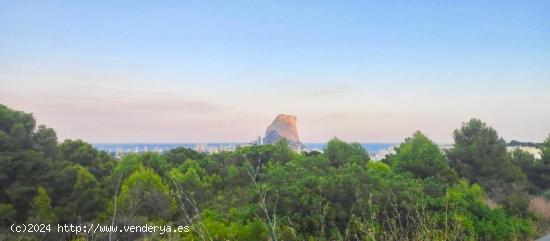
(522, 143)
(474, 191)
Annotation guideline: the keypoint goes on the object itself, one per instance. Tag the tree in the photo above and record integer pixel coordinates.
(132, 162)
(466, 207)
(542, 168)
(144, 194)
(422, 158)
(177, 156)
(24, 170)
(195, 181)
(23, 166)
(18, 135)
(526, 161)
(339, 152)
(45, 140)
(334, 195)
(480, 155)
(282, 151)
(17, 126)
(7, 212)
(84, 154)
(545, 150)
(86, 199)
(41, 208)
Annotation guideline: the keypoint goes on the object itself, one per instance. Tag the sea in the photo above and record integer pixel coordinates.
(210, 147)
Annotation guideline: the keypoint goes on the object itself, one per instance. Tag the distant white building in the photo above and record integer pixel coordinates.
(529, 149)
(201, 147)
(445, 146)
(380, 154)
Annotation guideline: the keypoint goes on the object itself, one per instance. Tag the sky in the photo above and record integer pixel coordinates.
(221, 71)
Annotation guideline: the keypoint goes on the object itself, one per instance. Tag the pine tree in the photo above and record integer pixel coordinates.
(542, 168)
(41, 208)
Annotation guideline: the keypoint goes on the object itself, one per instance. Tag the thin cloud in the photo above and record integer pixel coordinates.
(315, 92)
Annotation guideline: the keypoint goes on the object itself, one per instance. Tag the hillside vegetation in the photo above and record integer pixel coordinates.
(474, 191)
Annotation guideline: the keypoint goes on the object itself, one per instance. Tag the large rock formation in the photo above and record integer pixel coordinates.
(284, 126)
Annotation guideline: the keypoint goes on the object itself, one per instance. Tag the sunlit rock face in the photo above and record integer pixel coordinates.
(284, 126)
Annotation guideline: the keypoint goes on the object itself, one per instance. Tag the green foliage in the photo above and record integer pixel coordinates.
(22, 167)
(179, 155)
(226, 227)
(84, 154)
(545, 150)
(23, 171)
(86, 198)
(522, 143)
(541, 176)
(133, 162)
(45, 140)
(379, 166)
(337, 194)
(282, 151)
(7, 212)
(528, 165)
(339, 152)
(41, 208)
(480, 155)
(16, 127)
(194, 180)
(145, 195)
(468, 209)
(421, 158)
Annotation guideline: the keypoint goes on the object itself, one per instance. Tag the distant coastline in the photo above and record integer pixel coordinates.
(376, 150)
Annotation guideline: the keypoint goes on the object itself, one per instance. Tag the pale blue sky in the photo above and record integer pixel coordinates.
(370, 71)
